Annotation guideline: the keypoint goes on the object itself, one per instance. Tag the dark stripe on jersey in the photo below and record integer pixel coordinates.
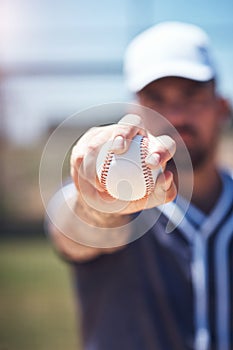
(212, 277)
(169, 329)
(164, 284)
(230, 267)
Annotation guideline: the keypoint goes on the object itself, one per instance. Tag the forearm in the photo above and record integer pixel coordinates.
(96, 218)
(81, 233)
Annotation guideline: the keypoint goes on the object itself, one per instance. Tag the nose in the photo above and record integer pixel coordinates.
(176, 113)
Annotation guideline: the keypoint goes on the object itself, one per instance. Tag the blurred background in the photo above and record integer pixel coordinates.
(58, 58)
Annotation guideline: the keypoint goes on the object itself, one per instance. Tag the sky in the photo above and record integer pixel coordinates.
(35, 32)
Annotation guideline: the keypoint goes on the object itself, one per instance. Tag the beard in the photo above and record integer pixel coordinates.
(199, 157)
(189, 159)
(191, 152)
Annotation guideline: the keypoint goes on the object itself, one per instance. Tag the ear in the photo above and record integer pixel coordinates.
(225, 111)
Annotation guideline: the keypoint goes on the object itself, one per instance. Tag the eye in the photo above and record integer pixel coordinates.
(155, 97)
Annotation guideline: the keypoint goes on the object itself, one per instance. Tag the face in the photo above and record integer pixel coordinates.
(193, 108)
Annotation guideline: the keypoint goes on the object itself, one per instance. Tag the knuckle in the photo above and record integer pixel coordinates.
(75, 159)
(167, 143)
(131, 119)
(91, 131)
(171, 193)
(127, 131)
(91, 148)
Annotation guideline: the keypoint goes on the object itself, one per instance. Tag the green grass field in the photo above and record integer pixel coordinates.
(37, 309)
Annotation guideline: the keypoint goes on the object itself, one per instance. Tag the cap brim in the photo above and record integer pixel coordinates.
(183, 70)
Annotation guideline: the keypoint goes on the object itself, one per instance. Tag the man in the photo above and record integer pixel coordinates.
(162, 291)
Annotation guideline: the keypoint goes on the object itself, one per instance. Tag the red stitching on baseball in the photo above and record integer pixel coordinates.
(105, 169)
(147, 172)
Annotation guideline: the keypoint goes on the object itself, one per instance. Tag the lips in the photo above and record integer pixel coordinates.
(185, 132)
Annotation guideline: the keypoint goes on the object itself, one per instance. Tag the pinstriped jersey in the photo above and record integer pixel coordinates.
(165, 290)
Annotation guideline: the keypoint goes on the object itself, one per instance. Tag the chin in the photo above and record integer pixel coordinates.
(190, 159)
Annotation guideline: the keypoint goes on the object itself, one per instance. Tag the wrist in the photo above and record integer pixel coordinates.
(98, 218)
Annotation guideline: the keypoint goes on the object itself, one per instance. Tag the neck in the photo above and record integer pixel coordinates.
(207, 187)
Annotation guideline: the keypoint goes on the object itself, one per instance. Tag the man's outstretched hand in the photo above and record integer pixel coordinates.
(83, 166)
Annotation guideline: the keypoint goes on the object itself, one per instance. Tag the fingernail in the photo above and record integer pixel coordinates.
(153, 159)
(118, 144)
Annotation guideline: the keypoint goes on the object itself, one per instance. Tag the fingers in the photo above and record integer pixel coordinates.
(164, 191)
(128, 127)
(164, 182)
(161, 149)
(118, 144)
(83, 159)
(153, 159)
(85, 152)
(85, 168)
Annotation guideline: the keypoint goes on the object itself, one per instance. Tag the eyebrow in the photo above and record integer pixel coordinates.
(198, 85)
(202, 84)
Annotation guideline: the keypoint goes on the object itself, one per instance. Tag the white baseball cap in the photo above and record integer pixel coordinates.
(168, 49)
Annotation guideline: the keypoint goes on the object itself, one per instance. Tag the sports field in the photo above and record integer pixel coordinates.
(36, 302)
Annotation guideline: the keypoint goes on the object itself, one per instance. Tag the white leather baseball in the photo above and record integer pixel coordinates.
(126, 176)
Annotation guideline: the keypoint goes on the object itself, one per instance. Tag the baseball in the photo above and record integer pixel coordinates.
(126, 176)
